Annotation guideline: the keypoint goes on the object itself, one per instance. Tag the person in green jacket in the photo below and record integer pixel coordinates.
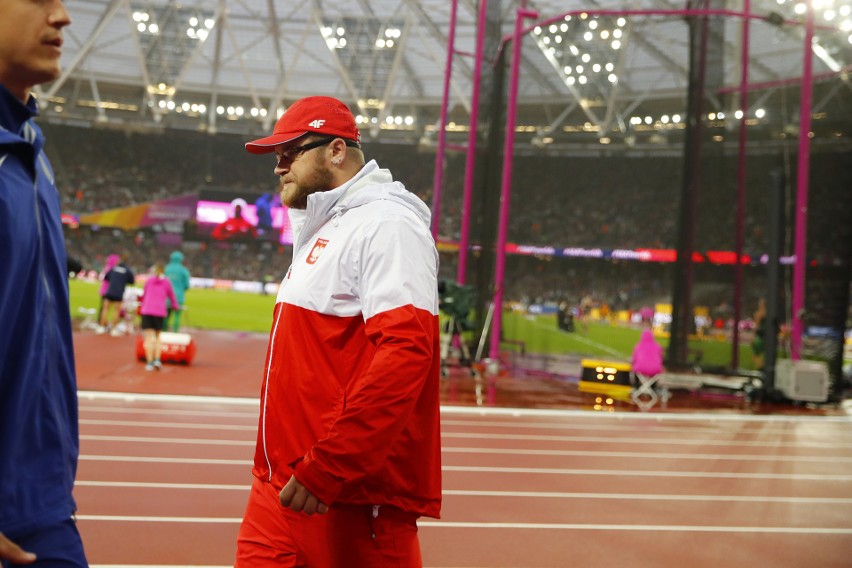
(178, 275)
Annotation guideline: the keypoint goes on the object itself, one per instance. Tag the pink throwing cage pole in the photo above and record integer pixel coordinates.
(442, 126)
(803, 160)
(800, 248)
(506, 187)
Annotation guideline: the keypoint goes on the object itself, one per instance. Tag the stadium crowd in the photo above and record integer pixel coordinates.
(603, 202)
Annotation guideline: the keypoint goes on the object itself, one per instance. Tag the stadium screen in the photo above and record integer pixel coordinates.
(240, 217)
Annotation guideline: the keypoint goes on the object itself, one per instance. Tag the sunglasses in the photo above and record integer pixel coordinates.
(291, 154)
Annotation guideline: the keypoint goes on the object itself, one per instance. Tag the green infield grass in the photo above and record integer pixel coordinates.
(238, 311)
(539, 334)
(205, 308)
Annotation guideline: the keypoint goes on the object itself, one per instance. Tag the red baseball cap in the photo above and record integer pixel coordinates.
(321, 115)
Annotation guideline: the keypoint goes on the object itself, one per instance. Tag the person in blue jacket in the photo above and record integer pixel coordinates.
(263, 207)
(39, 440)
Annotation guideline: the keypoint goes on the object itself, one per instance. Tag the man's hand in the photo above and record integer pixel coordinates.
(298, 498)
(13, 553)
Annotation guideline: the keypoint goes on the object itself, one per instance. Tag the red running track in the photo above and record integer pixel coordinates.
(163, 478)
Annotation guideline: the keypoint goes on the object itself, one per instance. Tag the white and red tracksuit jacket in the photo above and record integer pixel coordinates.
(350, 396)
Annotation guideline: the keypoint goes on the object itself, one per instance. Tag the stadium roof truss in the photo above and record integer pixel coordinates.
(234, 65)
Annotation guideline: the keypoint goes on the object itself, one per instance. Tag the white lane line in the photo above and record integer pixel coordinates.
(137, 519)
(587, 423)
(781, 431)
(515, 494)
(776, 429)
(154, 440)
(649, 473)
(179, 398)
(703, 417)
(536, 526)
(151, 485)
(170, 425)
(140, 459)
(646, 455)
(651, 497)
(644, 528)
(509, 451)
(167, 412)
(647, 440)
(700, 417)
(550, 471)
(765, 443)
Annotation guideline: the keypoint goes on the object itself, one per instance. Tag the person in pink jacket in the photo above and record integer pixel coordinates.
(153, 310)
(647, 356)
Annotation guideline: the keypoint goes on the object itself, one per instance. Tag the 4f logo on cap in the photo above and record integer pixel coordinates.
(316, 251)
(316, 123)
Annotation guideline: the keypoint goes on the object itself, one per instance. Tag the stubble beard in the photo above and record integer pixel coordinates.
(295, 195)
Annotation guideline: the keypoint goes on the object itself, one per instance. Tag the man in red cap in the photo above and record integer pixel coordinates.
(348, 449)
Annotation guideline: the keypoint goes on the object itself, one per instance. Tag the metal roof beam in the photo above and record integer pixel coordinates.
(461, 95)
(212, 115)
(410, 73)
(555, 123)
(400, 50)
(578, 97)
(197, 49)
(148, 98)
(242, 61)
(278, 96)
(344, 73)
(107, 17)
(616, 88)
(276, 35)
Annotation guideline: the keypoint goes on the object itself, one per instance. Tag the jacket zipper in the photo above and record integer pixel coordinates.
(373, 518)
(51, 329)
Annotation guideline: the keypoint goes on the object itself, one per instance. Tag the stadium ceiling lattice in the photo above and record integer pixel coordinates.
(233, 65)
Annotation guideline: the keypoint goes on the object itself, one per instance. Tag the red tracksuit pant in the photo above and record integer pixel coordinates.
(348, 536)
